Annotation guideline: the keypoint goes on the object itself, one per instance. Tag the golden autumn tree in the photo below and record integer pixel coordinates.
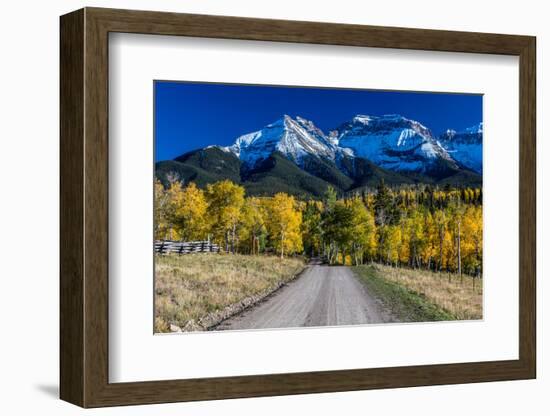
(428, 248)
(225, 201)
(363, 241)
(440, 221)
(405, 243)
(283, 222)
(390, 239)
(449, 255)
(173, 198)
(417, 238)
(252, 226)
(161, 212)
(472, 224)
(457, 210)
(189, 214)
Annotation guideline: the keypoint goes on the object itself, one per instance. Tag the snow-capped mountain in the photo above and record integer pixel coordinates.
(294, 138)
(465, 146)
(393, 142)
(293, 155)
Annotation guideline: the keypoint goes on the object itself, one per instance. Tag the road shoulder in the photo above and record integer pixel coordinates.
(404, 304)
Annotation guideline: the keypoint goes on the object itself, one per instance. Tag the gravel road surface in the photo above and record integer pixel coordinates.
(321, 296)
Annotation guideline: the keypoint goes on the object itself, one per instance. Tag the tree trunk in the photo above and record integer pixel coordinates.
(233, 238)
(227, 241)
(357, 255)
(459, 259)
(441, 236)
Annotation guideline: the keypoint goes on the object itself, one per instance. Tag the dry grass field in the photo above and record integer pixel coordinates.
(191, 289)
(462, 298)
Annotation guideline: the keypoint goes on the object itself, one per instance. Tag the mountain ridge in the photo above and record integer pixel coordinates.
(358, 153)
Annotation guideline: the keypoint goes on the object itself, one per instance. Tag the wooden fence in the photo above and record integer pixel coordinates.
(185, 247)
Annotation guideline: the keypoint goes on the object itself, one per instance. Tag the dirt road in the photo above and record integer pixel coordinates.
(321, 296)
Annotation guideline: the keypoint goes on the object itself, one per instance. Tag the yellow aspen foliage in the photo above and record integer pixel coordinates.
(438, 239)
(472, 225)
(225, 201)
(405, 243)
(161, 212)
(449, 254)
(363, 231)
(189, 212)
(252, 228)
(394, 240)
(437, 228)
(428, 249)
(390, 240)
(283, 222)
(417, 238)
(173, 195)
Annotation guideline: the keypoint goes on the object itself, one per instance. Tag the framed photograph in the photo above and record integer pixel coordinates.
(257, 207)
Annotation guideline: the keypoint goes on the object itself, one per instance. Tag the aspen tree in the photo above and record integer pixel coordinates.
(283, 223)
(225, 201)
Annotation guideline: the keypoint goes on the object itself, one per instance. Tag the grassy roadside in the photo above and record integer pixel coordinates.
(420, 296)
(191, 290)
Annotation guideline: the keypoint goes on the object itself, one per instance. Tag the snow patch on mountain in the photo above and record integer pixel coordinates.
(466, 146)
(294, 138)
(392, 142)
(477, 129)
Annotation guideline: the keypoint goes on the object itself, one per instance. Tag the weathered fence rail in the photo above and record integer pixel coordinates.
(185, 247)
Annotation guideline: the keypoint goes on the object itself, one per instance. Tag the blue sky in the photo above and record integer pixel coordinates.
(194, 115)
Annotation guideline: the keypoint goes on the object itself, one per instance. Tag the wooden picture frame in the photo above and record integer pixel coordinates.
(84, 207)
